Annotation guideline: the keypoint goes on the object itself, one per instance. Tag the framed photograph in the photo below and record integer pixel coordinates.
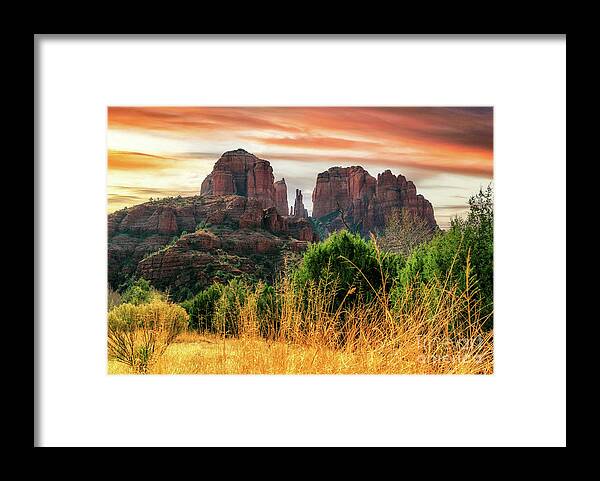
(288, 241)
(344, 273)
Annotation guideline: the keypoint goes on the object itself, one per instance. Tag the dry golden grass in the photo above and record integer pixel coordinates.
(413, 339)
(431, 329)
(209, 354)
(140, 334)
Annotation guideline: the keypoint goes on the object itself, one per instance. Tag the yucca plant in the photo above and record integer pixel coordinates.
(139, 334)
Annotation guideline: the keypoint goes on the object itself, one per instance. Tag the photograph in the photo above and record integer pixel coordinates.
(300, 240)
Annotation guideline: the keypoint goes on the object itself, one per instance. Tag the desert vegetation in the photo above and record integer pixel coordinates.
(409, 301)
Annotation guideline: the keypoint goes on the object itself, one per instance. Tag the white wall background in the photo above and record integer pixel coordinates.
(523, 403)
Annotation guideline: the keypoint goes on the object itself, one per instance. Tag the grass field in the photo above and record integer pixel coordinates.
(433, 327)
(194, 353)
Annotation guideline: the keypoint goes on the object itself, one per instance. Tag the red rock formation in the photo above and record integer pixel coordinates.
(367, 202)
(136, 232)
(198, 259)
(341, 188)
(273, 222)
(241, 173)
(281, 203)
(302, 229)
(223, 183)
(299, 209)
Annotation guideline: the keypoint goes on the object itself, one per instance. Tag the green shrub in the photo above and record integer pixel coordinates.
(444, 254)
(463, 256)
(216, 308)
(228, 306)
(138, 292)
(202, 225)
(139, 334)
(480, 237)
(201, 308)
(182, 294)
(350, 263)
(319, 228)
(268, 309)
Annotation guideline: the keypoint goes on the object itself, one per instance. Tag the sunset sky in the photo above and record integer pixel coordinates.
(165, 151)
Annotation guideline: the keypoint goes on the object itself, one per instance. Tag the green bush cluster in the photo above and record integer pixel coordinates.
(467, 247)
(354, 265)
(355, 270)
(201, 307)
(138, 292)
(268, 309)
(461, 257)
(217, 308)
(227, 307)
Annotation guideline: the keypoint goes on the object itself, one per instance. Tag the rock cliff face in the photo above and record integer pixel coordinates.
(367, 203)
(239, 224)
(299, 210)
(301, 228)
(198, 259)
(228, 235)
(241, 173)
(281, 202)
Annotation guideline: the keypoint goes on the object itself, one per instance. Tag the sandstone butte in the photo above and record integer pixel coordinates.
(239, 224)
(367, 203)
(299, 209)
(281, 202)
(241, 173)
(233, 227)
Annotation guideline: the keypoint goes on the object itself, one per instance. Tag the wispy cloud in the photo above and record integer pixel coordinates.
(442, 133)
(169, 150)
(314, 142)
(124, 160)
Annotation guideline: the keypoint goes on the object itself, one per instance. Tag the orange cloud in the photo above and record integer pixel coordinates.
(124, 160)
(316, 142)
(461, 136)
(422, 141)
(414, 161)
(128, 160)
(192, 119)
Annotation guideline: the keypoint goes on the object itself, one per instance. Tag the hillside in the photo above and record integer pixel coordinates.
(239, 224)
(186, 243)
